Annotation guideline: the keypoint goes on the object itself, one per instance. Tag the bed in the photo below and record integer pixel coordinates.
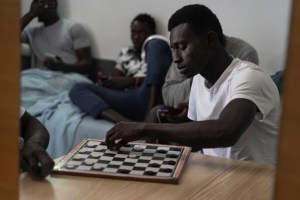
(44, 94)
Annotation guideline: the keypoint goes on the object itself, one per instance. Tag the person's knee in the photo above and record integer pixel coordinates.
(76, 90)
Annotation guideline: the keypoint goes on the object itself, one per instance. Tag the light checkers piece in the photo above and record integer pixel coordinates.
(134, 161)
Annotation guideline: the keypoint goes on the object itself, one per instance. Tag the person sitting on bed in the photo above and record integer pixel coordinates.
(33, 143)
(130, 68)
(152, 60)
(58, 44)
(234, 106)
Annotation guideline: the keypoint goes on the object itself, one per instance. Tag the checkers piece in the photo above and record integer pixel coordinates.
(132, 155)
(150, 173)
(167, 170)
(161, 151)
(70, 166)
(156, 165)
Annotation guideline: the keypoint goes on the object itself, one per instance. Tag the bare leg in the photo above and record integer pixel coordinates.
(113, 116)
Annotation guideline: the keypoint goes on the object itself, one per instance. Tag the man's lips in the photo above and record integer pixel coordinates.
(182, 69)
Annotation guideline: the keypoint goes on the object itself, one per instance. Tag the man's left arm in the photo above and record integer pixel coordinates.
(82, 66)
(82, 50)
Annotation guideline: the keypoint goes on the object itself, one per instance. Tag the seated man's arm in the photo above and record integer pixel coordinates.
(222, 132)
(82, 48)
(82, 66)
(158, 59)
(34, 157)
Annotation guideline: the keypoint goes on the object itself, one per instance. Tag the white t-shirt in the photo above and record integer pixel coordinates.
(129, 64)
(60, 39)
(246, 80)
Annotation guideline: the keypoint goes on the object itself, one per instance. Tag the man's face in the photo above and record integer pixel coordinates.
(190, 52)
(139, 33)
(49, 11)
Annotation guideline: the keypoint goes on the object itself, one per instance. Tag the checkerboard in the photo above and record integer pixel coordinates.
(134, 161)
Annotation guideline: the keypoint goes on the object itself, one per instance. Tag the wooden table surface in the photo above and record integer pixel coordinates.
(204, 177)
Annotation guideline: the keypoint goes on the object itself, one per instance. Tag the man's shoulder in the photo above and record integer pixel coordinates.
(32, 29)
(249, 72)
(69, 22)
(239, 65)
(158, 39)
(241, 49)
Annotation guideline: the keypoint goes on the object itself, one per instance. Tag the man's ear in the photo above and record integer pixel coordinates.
(212, 38)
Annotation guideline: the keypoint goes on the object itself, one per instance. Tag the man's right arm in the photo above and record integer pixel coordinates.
(36, 8)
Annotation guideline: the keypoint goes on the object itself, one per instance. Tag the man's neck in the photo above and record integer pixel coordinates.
(219, 66)
(51, 21)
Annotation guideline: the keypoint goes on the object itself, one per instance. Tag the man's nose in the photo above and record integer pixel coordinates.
(176, 57)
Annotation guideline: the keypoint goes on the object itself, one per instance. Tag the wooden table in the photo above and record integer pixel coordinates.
(204, 177)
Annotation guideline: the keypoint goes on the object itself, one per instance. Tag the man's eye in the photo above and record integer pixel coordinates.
(182, 47)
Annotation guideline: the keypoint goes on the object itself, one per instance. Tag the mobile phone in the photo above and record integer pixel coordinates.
(170, 111)
(104, 78)
(50, 57)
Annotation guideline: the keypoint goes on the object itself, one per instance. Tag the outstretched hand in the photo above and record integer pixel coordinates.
(122, 133)
(36, 161)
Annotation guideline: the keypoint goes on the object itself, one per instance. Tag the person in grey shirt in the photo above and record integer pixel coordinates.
(177, 87)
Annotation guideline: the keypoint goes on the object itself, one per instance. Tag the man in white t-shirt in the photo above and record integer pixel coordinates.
(34, 139)
(234, 105)
(57, 44)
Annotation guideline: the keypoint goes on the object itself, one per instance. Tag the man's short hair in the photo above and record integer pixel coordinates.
(199, 18)
(148, 20)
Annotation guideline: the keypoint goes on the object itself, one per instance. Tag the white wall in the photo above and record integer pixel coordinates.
(263, 23)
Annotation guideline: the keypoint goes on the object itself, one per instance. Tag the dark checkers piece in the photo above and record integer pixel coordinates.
(124, 171)
(134, 161)
(103, 161)
(156, 165)
(143, 161)
(150, 173)
(170, 162)
(127, 145)
(162, 151)
(128, 164)
(172, 156)
(175, 149)
(167, 170)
